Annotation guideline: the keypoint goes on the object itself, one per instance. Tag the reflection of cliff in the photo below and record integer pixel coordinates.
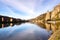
(49, 20)
(9, 21)
(55, 35)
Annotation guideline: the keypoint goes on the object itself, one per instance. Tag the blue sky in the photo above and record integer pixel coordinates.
(26, 9)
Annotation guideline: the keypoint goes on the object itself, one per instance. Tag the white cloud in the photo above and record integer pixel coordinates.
(18, 5)
(32, 8)
(22, 7)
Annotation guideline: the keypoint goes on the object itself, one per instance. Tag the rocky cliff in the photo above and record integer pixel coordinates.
(50, 21)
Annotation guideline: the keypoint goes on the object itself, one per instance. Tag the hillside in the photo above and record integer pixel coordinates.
(50, 21)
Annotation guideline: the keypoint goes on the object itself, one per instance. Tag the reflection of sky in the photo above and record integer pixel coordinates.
(26, 9)
(24, 32)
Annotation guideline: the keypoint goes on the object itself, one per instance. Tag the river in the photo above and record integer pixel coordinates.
(24, 31)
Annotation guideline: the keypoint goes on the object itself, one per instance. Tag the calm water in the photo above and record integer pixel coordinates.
(25, 31)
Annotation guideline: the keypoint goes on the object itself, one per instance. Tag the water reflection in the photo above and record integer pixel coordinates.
(49, 25)
(25, 31)
(2, 25)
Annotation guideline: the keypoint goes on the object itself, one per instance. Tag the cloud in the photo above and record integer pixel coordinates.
(18, 5)
(28, 8)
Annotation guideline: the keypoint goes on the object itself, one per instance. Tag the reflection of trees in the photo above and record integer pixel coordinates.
(6, 24)
(2, 25)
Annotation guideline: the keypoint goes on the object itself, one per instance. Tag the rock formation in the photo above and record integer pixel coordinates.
(50, 21)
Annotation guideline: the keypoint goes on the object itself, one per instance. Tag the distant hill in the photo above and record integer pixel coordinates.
(10, 19)
(6, 21)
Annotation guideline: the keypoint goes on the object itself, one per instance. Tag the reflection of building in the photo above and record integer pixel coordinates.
(11, 24)
(49, 20)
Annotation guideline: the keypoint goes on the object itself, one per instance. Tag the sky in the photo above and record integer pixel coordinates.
(26, 9)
